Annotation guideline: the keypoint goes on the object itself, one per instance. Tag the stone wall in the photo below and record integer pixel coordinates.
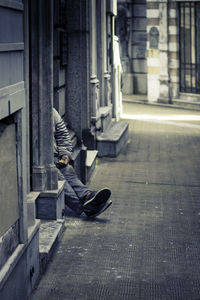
(162, 50)
(174, 49)
(131, 30)
(139, 39)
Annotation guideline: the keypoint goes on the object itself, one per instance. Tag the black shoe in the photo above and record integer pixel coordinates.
(98, 210)
(96, 198)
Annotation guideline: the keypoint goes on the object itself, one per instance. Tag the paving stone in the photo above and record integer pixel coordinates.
(146, 245)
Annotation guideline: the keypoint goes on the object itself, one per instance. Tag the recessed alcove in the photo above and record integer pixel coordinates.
(9, 212)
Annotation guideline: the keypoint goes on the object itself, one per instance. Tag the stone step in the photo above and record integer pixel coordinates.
(189, 97)
(187, 104)
(106, 117)
(135, 98)
(50, 204)
(49, 235)
(110, 143)
(90, 162)
(186, 101)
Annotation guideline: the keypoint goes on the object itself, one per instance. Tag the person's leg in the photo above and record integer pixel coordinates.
(90, 199)
(76, 185)
(79, 197)
(71, 198)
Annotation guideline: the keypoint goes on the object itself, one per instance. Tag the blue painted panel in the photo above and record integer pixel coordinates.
(11, 25)
(11, 68)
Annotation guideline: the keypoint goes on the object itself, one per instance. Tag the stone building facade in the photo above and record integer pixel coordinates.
(163, 51)
(52, 53)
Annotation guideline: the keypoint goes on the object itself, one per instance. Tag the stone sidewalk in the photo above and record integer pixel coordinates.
(147, 245)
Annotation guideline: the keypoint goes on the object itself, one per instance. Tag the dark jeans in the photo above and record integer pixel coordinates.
(75, 190)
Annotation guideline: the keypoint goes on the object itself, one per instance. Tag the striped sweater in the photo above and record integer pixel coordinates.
(62, 140)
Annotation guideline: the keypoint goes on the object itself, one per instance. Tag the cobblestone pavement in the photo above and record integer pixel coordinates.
(147, 245)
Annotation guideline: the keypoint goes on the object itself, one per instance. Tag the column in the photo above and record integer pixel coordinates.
(153, 51)
(101, 42)
(78, 66)
(107, 79)
(44, 173)
(94, 82)
(164, 56)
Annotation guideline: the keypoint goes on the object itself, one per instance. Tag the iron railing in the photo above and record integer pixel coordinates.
(189, 47)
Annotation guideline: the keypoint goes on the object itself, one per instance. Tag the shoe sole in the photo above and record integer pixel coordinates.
(105, 207)
(100, 197)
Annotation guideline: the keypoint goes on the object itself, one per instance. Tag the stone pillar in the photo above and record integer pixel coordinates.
(44, 173)
(112, 12)
(101, 42)
(107, 89)
(164, 56)
(77, 66)
(94, 81)
(107, 79)
(123, 31)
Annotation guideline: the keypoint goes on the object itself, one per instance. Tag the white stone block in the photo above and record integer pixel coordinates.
(174, 79)
(153, 88)
(152, 13)
(174, 63)
(164, 91)
(153, 62)
(175, 90)
(174, 47)
(164, 62)
(163, 47)
(173, 30)
(172, 13)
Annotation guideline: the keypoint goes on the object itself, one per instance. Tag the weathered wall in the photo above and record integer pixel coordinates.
(8, 177)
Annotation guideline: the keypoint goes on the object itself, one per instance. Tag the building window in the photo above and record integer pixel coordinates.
(190, 47)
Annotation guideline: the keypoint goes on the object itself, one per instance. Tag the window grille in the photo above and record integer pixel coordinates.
(189, 47)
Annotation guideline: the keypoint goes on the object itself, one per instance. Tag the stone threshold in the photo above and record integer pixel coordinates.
(176, 103)
(110, 143)
(49, 235)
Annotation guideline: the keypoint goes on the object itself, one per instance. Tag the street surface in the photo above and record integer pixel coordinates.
(146, 246)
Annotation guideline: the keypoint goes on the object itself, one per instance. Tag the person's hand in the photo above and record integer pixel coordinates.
(62, 162)
(64, 159)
